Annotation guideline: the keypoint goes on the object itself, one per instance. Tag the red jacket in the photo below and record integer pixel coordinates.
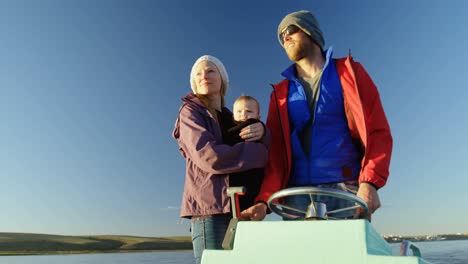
(366, 122)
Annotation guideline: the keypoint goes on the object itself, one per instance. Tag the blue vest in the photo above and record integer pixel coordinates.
(333, 156)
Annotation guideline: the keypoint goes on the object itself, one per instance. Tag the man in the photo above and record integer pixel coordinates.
(327, 124)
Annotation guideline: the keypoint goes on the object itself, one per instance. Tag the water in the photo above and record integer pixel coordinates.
(437, 252)
(441, 252)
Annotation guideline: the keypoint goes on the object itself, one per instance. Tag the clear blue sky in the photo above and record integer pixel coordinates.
(89, 91)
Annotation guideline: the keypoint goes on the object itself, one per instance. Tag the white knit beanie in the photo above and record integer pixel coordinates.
(219, 65)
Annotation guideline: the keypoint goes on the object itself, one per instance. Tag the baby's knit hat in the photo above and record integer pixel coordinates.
(219, 65)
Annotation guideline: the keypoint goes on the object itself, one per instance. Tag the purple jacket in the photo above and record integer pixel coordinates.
(209, 161)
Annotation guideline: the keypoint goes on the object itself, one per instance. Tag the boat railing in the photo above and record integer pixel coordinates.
(406, 246)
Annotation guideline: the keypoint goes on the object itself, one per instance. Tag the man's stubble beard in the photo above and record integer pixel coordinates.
(297, 53)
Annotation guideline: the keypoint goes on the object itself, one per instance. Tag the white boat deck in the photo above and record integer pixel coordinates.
(317, 242)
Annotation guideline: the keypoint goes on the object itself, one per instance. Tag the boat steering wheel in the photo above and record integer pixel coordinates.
(315, 210)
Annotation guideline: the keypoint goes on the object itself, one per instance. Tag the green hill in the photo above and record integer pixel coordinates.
(21, 243)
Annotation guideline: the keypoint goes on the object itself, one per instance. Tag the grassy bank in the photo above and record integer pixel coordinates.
(28, 244)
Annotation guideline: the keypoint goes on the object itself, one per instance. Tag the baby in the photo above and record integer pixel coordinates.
(246, 110)
(246, 107)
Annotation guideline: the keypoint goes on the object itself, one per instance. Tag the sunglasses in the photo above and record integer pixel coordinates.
(289, 30)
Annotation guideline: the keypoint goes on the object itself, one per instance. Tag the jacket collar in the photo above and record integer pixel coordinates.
(291, 73)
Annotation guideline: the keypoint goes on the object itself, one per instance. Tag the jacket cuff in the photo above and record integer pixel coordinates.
(371, 183)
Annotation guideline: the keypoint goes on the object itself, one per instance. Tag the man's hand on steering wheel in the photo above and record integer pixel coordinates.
(369, 194)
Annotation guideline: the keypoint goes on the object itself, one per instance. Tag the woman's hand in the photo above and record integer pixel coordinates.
(252, 132)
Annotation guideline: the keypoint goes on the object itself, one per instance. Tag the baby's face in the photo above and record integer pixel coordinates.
(245, 109)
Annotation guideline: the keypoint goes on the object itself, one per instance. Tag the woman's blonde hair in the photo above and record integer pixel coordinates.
(224, 82)
(204, 99)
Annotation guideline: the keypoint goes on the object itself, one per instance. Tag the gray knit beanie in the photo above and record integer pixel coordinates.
(306, 22)
(219, 65)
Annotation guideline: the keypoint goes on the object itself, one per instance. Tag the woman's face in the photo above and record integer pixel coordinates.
(207, 79)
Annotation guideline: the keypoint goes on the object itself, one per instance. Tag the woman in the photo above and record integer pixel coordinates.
(203, 121)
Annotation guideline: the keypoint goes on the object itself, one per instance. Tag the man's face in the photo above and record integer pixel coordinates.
(245, 109)
(296, 43)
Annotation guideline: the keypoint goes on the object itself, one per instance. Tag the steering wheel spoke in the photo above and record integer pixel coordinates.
(290, 208)
(344, 209)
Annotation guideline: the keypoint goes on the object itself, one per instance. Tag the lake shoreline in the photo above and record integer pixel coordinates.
(21, 244)
(48, 253)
